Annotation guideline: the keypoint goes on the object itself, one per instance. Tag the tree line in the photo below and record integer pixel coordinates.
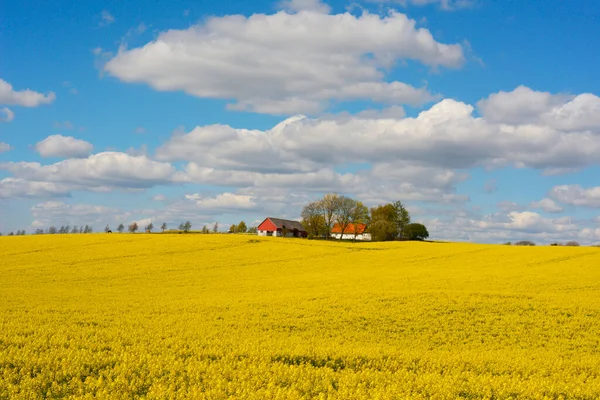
(384, 222)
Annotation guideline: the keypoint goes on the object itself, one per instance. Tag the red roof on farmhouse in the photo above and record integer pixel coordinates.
(360, 228)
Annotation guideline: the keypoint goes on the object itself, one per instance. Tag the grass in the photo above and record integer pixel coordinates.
(228, 316)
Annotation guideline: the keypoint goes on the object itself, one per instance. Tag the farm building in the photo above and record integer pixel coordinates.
(281, 227)
(336, 232)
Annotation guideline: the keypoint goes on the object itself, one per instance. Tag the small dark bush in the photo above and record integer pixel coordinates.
(507, 243)
(572, 243)
(525, 243)
(555, 244)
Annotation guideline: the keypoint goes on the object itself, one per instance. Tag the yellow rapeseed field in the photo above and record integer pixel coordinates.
(239, 317)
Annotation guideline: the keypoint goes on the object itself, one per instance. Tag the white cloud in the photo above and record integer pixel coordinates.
(285, 64)
(159, 197)
(304, 5)
(63, 147)
(25, 98)
(222, 202)
(557, 111)
(4, 147)
(6, 115)
(575, 195)
(18, 187)
(446, 136)
(99, 172)
(106, 18)
(548, 205)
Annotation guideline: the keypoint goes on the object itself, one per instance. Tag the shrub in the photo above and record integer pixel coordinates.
(525, 243)
(555, 244)
(572, 243)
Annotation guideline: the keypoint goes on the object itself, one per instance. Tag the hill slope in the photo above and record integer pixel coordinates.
(227, 316)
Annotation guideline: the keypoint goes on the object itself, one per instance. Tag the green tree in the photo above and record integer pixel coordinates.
(253, 230)
(106, 228)
(416, 232)
(187, 226)
(313, 219)
(75, 229)
(383, 223)
(149, 227)
(232, 228)
(242, 228)
(216, 227)
(402, 218)
(163, 227)
(121, 228)
(205, 229)
(360, 215)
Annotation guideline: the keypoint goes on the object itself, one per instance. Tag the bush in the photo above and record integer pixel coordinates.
(555, 244)
(507, 243)
(525, 243)
(572, 243)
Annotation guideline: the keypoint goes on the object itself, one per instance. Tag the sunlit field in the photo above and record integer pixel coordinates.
(126, 316)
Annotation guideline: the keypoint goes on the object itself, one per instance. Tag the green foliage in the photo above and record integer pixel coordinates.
(120, 228)
(383, 223)
(402, 219)
(242, 228)
(416, 232)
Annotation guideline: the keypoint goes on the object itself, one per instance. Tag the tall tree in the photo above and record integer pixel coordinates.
(107, 228)
(383, 223)
(187, 226)
(242, 228)
(216, 227)
(75, 229)
(133, 227)
(330, 204)
(360, 215)
(402, 218)
(232, 228)
(120, 228)
(149, 227)
(345, 209)
(313, 219)
(52, 229)
(163, 227)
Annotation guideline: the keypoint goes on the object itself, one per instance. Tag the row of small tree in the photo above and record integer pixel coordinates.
(52, 230)
(384, 222)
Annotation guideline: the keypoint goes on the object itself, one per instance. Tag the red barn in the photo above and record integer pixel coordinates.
(281, 227)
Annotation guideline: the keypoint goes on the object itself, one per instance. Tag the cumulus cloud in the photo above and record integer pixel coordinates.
(99, 172)
(25, 98)
(20, 188)
(446, 136)
(288, 63)
(575, 195)
(6, 115)
(548, 205)
(223, 202)
(4, 147)
(557, 111)
(63, 146)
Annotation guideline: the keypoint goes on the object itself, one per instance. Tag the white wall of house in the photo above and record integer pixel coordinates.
(275, 233)
(350, 236)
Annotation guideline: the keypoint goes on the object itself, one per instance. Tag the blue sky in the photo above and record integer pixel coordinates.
(482, 116)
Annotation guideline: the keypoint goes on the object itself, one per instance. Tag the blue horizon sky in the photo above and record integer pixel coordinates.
(482, 118)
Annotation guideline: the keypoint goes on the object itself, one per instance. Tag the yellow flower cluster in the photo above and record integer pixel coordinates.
(123, 316)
